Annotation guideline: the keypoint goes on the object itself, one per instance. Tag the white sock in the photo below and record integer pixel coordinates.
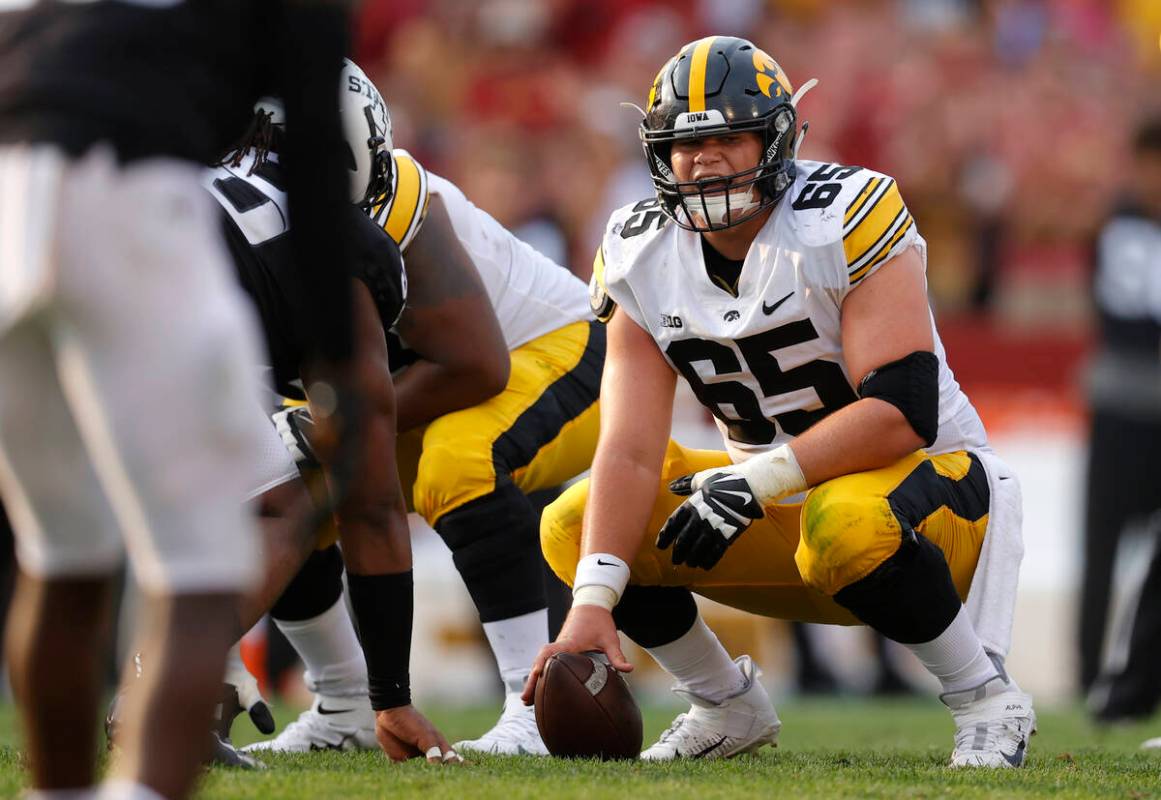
(330, 651)
(121, 789)
(699, 663)
(956, 656)
(515, 642)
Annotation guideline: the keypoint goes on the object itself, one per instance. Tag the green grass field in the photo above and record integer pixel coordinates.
(829, 749)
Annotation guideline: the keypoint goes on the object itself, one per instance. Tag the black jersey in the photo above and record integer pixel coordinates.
(178, 80)
(254, 217)
(1128, 274)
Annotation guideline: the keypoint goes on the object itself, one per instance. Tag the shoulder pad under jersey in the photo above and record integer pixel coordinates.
(602, 305)
(859, 208)
(403, 214)
(631, 229)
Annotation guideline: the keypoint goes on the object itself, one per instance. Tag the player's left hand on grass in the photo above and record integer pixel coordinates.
(587, 629)
(720, 508)
(404, 733)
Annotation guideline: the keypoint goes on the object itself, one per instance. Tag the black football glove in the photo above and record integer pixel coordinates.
(713, 517)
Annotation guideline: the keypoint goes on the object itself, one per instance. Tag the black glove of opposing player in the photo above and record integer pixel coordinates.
(711, 519)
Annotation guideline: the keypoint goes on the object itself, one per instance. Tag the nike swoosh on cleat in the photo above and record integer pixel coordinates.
(705, 751)
(1017, 758)
(768, 310)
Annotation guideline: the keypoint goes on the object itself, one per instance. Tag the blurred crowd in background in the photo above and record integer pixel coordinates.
(1009, 125)
(1006, 122)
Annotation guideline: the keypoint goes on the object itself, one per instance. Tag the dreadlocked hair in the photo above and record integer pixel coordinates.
(262, 136)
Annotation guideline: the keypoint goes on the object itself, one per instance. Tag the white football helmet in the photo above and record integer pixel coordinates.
(366, 128)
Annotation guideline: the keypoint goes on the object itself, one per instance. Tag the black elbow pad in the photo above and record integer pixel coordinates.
(911, 384)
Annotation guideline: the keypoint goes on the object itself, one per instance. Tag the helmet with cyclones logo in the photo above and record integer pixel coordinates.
(366, 129)
(714, 86)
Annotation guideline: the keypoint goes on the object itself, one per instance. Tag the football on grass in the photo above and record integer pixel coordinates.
(584, 709)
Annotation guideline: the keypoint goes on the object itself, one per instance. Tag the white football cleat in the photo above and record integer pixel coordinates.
(514, 734)
(993, 724)
(741, 723)
(1152, 744)
(332, 723)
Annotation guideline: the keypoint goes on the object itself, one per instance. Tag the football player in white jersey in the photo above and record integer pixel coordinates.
(467, 462)
(857, 484)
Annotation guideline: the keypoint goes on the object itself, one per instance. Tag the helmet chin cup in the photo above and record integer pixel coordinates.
(721, 210)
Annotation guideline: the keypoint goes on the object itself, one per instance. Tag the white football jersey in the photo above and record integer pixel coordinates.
(768, 363)
(532, 295)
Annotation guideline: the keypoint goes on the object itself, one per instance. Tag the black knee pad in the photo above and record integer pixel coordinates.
(655, 615)
(495, 544)
(316, 587)
(910, 597)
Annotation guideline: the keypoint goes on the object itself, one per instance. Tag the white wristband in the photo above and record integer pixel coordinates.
(772, 475)
(600, 571)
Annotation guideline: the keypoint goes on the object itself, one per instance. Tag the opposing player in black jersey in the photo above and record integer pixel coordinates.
(248, 187)
(126, 351)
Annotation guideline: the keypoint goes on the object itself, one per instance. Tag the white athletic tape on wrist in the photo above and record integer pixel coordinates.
(597, 572)
(772, 475)
(593, 595)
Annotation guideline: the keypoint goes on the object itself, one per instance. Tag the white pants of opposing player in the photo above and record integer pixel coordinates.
(127, 382)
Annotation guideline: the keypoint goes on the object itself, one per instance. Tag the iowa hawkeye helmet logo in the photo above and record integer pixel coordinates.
(767, 73)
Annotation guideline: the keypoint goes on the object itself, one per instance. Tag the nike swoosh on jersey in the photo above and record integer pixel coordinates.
(768, 310)
(323, 710)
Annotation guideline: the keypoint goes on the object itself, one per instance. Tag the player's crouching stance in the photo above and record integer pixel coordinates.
(497, 365)
(791, 296)
(368, 500)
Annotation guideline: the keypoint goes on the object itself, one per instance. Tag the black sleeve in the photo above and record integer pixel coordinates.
(315, 36)
(379, 265)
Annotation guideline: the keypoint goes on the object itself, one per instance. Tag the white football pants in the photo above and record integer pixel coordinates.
(128, 394)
